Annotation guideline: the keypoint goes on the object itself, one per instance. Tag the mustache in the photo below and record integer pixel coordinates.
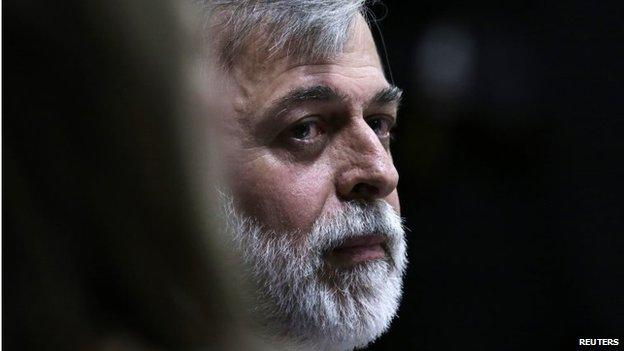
(357, 219)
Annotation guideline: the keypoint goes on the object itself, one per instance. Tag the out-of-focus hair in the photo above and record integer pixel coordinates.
(104, 247)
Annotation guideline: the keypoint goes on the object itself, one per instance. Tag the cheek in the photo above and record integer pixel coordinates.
(283, 197)
(393, 200)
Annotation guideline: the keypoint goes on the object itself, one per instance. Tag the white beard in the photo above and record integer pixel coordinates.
(298, 297)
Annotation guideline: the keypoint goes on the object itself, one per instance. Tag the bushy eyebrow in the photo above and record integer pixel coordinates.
(388, 95)
(323, 93)
(298, 96)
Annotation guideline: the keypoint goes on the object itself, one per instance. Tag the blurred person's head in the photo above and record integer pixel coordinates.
(102, 246)
(303, 117)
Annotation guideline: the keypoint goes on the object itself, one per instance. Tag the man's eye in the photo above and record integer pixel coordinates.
(306, 130)
(380, 125)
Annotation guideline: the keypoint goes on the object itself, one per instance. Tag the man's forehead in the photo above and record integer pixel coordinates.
(357, 86)
(291, 72)
(355, 72)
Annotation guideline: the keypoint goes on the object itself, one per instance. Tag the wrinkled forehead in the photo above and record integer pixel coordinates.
(257, 77)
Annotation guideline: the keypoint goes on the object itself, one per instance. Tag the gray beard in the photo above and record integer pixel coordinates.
(297, 297)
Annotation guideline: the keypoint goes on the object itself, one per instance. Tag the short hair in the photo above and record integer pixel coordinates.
(299, 29)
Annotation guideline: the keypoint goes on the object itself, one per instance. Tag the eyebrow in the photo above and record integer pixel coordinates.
(323, 93)
(388, 95)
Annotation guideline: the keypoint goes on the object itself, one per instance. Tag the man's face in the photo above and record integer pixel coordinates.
(292, 160)
(306, 149)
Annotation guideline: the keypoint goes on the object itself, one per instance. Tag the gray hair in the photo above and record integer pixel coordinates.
(301, 29)
(294, 293)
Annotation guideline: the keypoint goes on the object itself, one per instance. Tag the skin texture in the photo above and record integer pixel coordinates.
(289, 168)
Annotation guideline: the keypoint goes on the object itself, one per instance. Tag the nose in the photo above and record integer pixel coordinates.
(368, 171)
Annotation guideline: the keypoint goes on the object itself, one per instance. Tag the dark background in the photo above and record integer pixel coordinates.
(509, 148)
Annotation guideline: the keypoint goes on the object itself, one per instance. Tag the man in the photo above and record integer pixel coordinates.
(303, 117)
